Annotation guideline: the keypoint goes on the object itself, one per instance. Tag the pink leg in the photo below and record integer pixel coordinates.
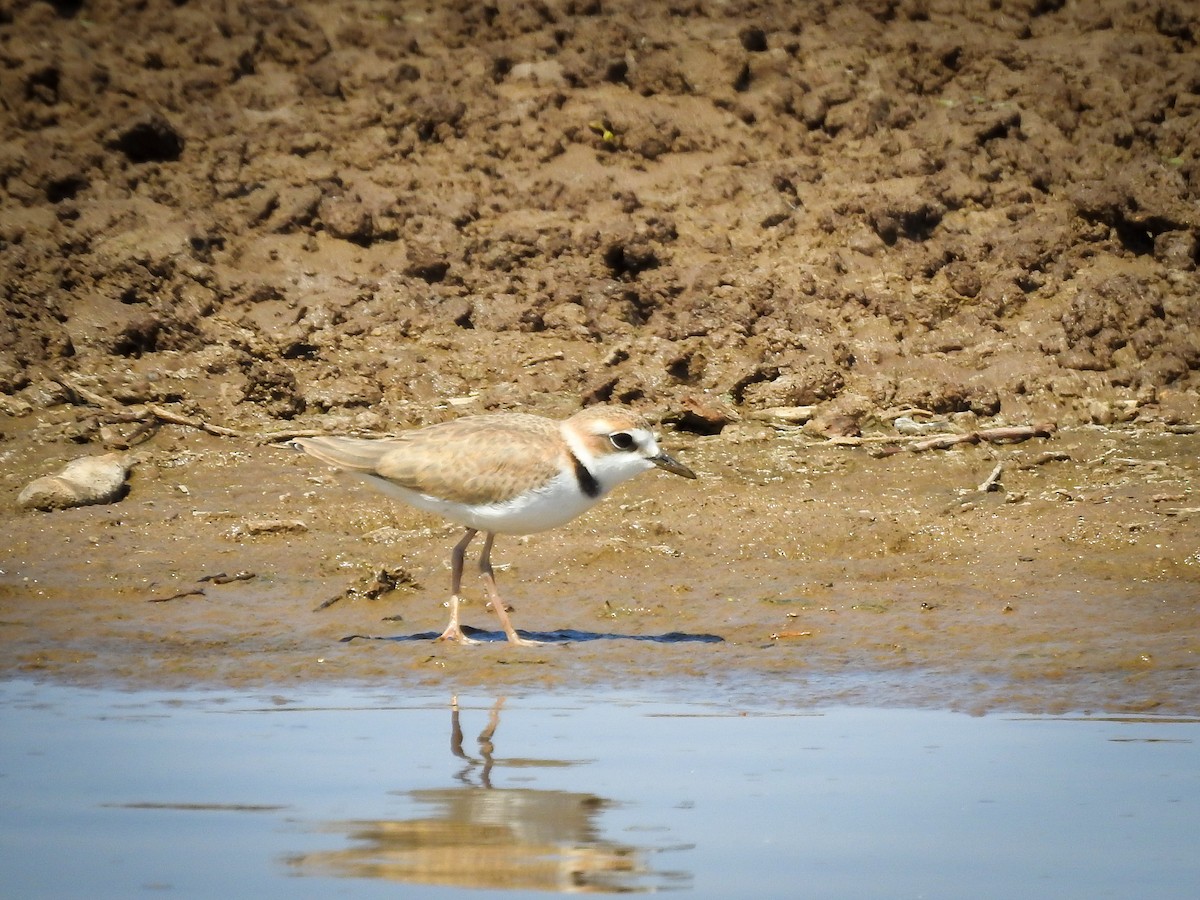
(489, 582)
(454, 631)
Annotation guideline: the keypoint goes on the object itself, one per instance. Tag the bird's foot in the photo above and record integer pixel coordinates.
(525, 642)
(454, 632)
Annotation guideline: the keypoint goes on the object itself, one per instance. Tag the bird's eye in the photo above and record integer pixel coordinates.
(622, 440)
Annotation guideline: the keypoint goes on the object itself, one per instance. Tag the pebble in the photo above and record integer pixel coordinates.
(84, 481)
(906, 425)
(784, 415)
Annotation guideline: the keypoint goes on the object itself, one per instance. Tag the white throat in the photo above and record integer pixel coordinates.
(611, 468)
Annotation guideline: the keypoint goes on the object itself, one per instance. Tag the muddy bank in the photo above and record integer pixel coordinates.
(832, 574)
(352, 213)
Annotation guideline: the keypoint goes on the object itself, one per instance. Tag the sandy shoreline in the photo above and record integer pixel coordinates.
(833, 575)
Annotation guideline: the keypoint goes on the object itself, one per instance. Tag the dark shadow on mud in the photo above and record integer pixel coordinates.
(561, 636)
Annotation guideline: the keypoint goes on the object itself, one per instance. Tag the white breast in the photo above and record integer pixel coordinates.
(554, 504)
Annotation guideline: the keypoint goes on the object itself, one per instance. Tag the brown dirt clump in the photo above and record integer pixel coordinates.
(365, 216)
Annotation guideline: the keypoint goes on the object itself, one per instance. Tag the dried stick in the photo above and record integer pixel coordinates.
(1004, 435)
(992, 482)
(153, 413)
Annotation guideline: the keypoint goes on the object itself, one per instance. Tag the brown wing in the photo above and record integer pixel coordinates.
(476, 459)
(350, 453)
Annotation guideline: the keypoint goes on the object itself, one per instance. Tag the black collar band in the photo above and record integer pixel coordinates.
(587, 481)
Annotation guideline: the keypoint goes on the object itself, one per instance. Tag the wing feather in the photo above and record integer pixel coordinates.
(475, 459)
(358, 454)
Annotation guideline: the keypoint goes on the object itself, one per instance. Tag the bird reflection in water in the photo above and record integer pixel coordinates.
(480, 836)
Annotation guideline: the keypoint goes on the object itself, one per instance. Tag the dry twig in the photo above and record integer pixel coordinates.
(152, 415)
(195, 592)
(1003, 435)
(992, 482)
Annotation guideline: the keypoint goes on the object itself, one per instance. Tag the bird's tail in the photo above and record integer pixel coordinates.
(357, 454)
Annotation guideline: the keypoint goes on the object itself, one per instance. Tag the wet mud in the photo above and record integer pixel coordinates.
(800, 235)
(813, 571)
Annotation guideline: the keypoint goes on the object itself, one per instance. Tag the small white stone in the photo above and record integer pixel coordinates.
(90, 479)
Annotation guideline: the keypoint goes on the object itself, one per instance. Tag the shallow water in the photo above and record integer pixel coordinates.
(339, 792)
